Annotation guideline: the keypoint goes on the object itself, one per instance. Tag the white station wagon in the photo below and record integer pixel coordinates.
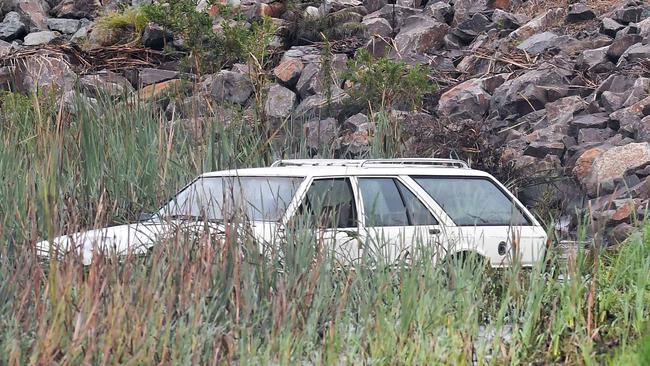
(359, 208)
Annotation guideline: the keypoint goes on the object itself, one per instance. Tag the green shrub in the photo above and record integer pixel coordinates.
(123, 26)
(210, 51)
(381, 83)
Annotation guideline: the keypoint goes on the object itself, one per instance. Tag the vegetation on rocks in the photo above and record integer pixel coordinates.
(381, 83)
(122, 26)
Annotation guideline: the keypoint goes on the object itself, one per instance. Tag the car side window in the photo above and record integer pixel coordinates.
(387, 202)
(330, 203)
(473, 201)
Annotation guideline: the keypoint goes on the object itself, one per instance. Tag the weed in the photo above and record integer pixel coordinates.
(207, 300)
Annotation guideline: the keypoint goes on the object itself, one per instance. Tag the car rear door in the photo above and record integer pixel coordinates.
(396, 224)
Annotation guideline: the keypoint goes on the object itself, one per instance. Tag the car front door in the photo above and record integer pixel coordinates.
(397, 225)
(330, 206)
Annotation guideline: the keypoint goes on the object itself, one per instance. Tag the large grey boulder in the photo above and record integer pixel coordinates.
(630, 117)
(529, 92)
(65, 26)
(105, 84)
(395, 14)
(149, 76)
(579, 12)
(465, 9)
(609, 27)
(547, 141)
(77, 9)
(469, 29)
(279, 103)
(539, 43)
(358, 122)
(233, 87)
(330, 6)
(467, 100)
(12, 27)
(630, 14)
(377, 27)
(508, 21)
(589, 121)
(40, 38)
(321, 133)
(636, 52)
(419, 34)
(542, 23)
(321, 105)
(441, 11)
(34, 13)
(564, 109)
(75, 103)
(310, 81)
(595, 60)
(43, 72)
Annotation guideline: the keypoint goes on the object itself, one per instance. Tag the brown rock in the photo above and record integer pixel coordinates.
(288, 72)
(585, 161)
(621, 232)
(273, 10)
(499, 4)
(624, 212)
(151, 92)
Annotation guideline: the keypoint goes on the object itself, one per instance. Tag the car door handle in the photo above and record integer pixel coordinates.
(434, 231)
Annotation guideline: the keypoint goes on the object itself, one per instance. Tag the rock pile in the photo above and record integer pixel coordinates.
(562, 94)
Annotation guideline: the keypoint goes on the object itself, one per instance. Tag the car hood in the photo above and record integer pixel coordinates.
(115, 239)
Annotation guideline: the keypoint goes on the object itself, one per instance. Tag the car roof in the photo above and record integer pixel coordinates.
(339, 167)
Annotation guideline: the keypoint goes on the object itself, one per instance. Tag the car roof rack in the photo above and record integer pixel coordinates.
(404, 162)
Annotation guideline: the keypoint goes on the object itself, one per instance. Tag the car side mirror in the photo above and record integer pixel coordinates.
(145, 216)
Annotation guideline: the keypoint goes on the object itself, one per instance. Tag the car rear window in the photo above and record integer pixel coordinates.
(473, 201)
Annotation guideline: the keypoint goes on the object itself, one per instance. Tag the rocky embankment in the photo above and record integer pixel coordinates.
(559, 93)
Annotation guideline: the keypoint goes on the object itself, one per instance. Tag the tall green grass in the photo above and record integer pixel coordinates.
(208, 301)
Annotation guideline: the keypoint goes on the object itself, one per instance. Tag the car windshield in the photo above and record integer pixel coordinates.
(221, 198)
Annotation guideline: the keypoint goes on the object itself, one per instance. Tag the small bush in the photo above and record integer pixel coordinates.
(121, 26)
(382, 83)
